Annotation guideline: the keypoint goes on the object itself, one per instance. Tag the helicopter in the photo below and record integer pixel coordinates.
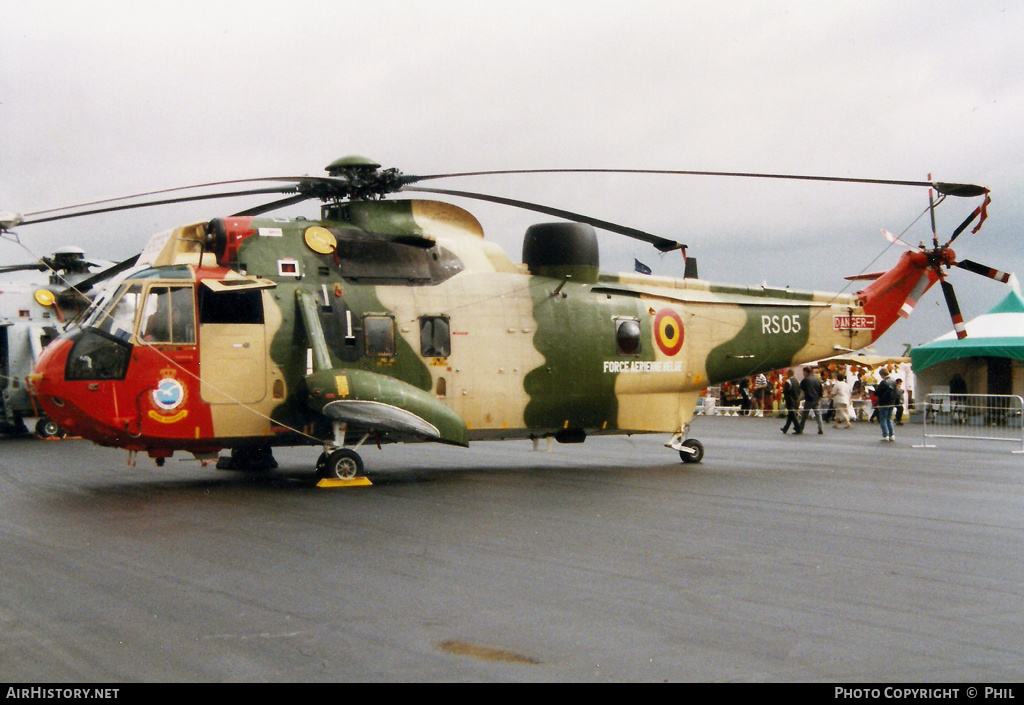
(32, 314)
(394, 320)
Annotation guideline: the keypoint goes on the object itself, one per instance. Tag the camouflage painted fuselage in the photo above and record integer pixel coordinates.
(399, 320)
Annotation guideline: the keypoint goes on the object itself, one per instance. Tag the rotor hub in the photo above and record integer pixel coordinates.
(354, 177)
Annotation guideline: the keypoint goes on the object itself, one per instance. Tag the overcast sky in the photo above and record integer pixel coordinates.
(100, 99)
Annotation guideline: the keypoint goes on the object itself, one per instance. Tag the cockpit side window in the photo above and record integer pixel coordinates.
(168, 316)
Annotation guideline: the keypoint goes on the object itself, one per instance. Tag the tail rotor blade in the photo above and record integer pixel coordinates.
(893, 239)
(954, 309)
(915, 294)
(931, 212)
(984, 271)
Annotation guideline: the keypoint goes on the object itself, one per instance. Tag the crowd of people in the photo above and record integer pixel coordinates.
(838, 394)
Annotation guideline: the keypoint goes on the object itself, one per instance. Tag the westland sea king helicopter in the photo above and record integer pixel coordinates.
(395, 320)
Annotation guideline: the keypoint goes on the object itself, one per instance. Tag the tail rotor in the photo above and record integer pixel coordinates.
(940, 258)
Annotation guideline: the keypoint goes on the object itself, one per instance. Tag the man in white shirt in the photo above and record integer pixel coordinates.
(840, 395)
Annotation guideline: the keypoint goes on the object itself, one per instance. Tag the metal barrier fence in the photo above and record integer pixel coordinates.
(986, 417)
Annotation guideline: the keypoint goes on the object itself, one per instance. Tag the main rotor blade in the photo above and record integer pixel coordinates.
(984, 271)
(162, 202)
(661, 243)
(144, 194)
(980, 210)
(960, 190)
(954, 309)
(274, 205)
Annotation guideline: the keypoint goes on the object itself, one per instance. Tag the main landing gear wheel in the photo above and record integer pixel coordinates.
(342, 464)
(248, 459)
(698, 449)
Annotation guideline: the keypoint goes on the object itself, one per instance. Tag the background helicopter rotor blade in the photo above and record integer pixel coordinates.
(954, 309)
(37, 266)
(661, 243)
(87, 284)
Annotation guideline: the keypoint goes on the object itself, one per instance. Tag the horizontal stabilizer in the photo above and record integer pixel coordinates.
(869, 276)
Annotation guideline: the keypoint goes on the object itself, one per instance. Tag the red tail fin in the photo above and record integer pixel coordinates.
(894, 293)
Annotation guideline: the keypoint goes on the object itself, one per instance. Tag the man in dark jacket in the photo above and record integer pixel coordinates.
(791, 396)
(812, 388)
(885, 391)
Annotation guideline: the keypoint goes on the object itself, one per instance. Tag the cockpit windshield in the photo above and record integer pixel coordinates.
(117, 317)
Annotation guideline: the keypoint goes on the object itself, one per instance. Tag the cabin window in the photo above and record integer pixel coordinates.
(435, 336)
(627, 336)
(168, 316)
(379, 332)
(244, 306)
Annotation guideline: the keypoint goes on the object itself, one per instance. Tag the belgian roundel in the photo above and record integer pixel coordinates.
(668, 331)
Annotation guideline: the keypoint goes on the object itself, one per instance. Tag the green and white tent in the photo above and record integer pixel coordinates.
(990, 358)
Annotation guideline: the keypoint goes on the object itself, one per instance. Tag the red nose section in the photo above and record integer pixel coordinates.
(79, 407)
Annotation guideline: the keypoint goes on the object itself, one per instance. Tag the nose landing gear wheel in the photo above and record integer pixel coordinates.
(47, 428)
(698, 453)
(342, 464)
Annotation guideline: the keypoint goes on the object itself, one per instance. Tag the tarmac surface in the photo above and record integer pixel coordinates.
(828, 559)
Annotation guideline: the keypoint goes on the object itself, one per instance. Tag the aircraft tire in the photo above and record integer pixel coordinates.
(48, 428)
(696, 445)
(343, 464)
(248, 459)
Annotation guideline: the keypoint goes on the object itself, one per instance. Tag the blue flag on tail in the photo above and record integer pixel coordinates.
(641, 267)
